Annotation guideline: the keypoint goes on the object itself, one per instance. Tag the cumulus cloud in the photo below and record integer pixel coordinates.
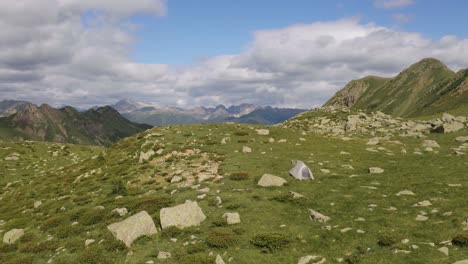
(70, 57)
(388, 4)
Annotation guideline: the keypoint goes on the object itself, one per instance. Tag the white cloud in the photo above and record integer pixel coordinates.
(55, 58)
(402, 18)
(388, 4)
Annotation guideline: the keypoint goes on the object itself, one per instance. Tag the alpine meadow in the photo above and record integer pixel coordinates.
(153, 131)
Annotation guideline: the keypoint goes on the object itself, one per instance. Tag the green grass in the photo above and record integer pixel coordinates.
(71, 188)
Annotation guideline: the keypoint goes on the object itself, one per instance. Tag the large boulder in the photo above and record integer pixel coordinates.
(183, 215)
(12, 236)
(448, 127)
(269, 180)
(318, 217)
(133, 227)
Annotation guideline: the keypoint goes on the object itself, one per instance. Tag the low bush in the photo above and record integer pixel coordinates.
(196, 259)
(461, 240)
(119, 187)
(171, 232)
(93, 216)
(239, 176)
(54, 221)
(271, 241)
(386, 240)
(241, 133)
(220, 237)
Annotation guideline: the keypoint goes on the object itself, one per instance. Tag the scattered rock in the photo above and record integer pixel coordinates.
(12, 236)
(405, 192)
(318, 217)
(37, 204)
(120, 211)
(219, 260)
(183, 215)
(176, 179)
(465, 261)
(424, 203)
(444, 250)
(144, 156)
(263, 132)
(376, 170)
(163, 255)
(232, 218)
(269, 180)
(296, 195)
(462, 139)
(133, 227)
(307, 259)
(448, 127)
(246, 149)
(422, 218)
(430, 144)
(89, 242)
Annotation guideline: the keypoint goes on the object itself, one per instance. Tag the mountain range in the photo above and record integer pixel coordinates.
(425, 88)
(101, 126)
(243, 113)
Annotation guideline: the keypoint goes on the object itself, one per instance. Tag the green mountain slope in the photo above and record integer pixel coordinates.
(102, 126)
(427, 87)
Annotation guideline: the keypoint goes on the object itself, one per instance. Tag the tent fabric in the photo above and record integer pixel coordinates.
(301, 171)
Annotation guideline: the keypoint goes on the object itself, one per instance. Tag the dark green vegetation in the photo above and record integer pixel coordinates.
(102, 126)
(426, 88)
(72, 181)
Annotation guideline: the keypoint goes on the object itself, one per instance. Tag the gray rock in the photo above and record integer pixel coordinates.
(449, 127)
(232, 218)
(120, 211)
(376, 170)
(164, 255)
(462, 139)
(12, 236)
(246, 149)
(263, 132)
(133, 227)
(318, 217)
(269, 180)
(405, 192)
(430, 144)
(465, 261)
(219, 260)
(183, 215)
(447, 118)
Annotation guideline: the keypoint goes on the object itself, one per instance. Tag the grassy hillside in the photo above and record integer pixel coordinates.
(369, 222)
(427, 87)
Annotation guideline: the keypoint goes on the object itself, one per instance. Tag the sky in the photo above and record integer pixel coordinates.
(191, 53)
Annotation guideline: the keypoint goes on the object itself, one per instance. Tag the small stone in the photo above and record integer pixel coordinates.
(263, 132)
(444, 250)
(422, 218)
(232, 218)
(176, 179)
(219, 260)
(120, 211)
(163, 255)
(37, 204)
(405, 192)
(246, 149)
(375, 170)
(88, 242)
(344, 230)
(307, 259)
(325, 171)
(424, 203)
(318, 217)
(269, 180)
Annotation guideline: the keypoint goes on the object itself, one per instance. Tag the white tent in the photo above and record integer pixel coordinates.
(301, 171)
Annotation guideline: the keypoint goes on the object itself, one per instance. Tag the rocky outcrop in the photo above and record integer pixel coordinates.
(12, 236)
(269, 180)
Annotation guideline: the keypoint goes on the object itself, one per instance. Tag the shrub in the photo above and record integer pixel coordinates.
(241, 133)
(220, 237)
(152, 204)
(93, 256)
(219, 222)
(196, 259)
(239, 176)
(271, 241)
(195, 248)
(53, 222)
(93, 216)
(386, 240)
(119, 187)
(461, 240)
(171, 231)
